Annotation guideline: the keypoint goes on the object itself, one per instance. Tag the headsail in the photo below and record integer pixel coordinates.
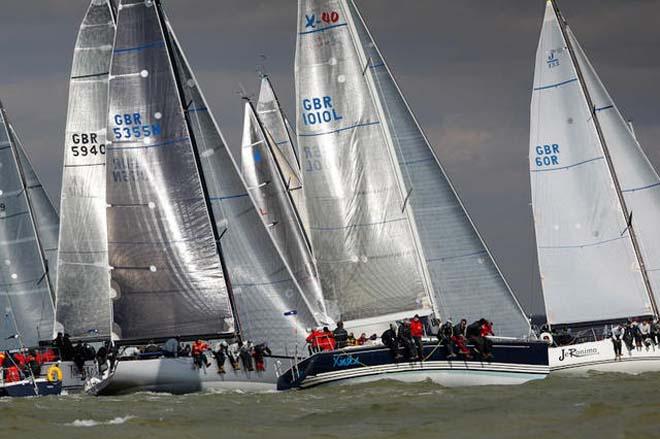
(465, 278)
(588, 266)
(265, 183)
(83, 297)
(25, 284)
(361, 235)
(268, 302)
(639, 181)
(276, 125)
(166, 267)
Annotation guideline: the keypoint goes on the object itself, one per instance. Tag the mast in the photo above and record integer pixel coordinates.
(606, 153)
(198, 163)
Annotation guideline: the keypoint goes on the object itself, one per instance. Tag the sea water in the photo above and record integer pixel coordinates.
(591, 406)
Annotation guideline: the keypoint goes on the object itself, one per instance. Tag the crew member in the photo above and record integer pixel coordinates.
(260, 351)
(340, 335)
(617, 336)
(198, 349)
(445, 336)
(416, 332)
(390, 340)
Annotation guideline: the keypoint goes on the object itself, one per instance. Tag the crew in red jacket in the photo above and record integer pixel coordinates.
(417, 331)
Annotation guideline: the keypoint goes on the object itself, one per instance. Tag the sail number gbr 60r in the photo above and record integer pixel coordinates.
(547, 155)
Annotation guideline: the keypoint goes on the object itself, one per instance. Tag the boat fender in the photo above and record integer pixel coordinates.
(54, 374)
(547, 337)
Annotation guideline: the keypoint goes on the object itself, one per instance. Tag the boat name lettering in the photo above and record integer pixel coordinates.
(345, 361)
(132, 125)
(319, 110)
(85, 144)
(577, 353)
(329, 17)
(547, 155)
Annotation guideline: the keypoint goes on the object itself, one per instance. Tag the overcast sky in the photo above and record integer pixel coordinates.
(466, 68)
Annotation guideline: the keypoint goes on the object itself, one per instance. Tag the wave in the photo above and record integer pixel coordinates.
(93, 423)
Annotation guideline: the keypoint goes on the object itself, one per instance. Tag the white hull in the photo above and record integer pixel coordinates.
(179, 375)
(445, 373)
(599, 356)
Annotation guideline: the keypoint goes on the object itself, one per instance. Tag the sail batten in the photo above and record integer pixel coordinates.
(588, 265)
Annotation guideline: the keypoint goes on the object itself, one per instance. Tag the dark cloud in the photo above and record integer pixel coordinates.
(466, 68)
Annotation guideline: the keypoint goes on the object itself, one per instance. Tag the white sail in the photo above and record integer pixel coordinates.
(362, 238)
(268, 301)
(275, 207)
(83, 295)
(25, 285)
(275, 124)
(587, 262)
(638, 179)
(465, 279)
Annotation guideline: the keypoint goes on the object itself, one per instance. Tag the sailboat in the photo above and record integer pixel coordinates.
(595, 197)
(28, 257)
(265, 167)
(390, 236)
(83, 293)
(189, 255)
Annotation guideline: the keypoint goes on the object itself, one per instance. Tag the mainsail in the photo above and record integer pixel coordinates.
(83, 298)
(638, 179)
(166, 266)
(276, 125)
(25, 284)
(588, 265)
(465, 278)
(268, 301)
(382, 211)
(265, 182)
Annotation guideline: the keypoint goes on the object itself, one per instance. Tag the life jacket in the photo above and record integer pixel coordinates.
(12, 374)
(20, 360)
(416, 328)
(199, 347)
(326, 341)
(314, 338)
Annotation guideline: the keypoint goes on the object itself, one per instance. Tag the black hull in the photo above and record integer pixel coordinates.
(27, 388)
(513, 362)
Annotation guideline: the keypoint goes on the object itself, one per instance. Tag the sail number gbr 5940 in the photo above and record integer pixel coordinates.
(84, 144)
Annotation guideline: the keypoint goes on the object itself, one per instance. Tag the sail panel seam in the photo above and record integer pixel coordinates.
(323, 29)
(558, 84)
(569, 166)
(358, 125)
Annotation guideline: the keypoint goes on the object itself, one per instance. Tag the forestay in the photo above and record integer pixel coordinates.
(274, 205)
(638, 179)
(269, 305)
(166, 269)
(465, 280)
(25, 285)
(588, 267)
(275, 124)
(83, 298)
(361, 235)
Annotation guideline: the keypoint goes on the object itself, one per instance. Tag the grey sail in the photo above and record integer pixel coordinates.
(465, 278)
(638, 179)
(269, 305)
(83, 298)
(589, 271)
(166, 269)
(268, 189)
(25, 285)
(276, 125)
(362, 238)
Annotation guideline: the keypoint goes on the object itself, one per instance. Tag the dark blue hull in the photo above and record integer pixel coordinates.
(513, 362)
(27, 388)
